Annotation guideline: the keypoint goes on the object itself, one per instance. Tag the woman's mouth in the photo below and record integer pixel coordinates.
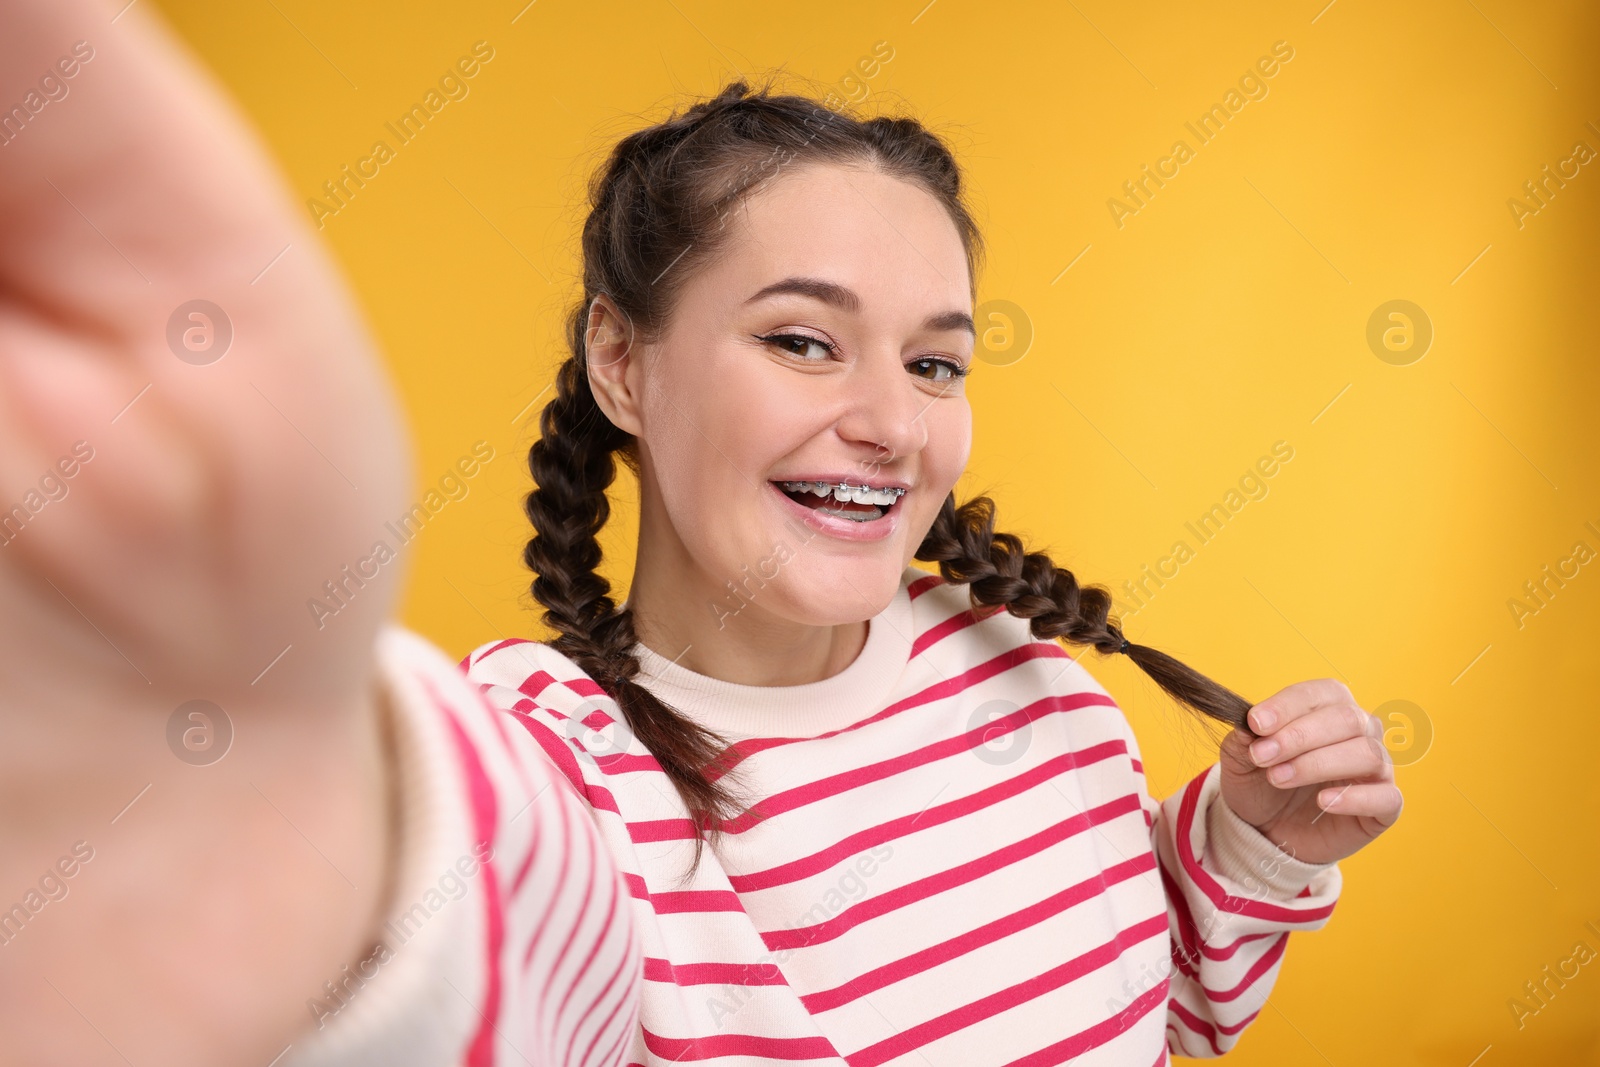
(842, 500)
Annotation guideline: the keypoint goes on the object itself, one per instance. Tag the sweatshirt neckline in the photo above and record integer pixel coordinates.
(743, 711)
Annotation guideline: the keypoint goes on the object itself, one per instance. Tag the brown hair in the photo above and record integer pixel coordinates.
(656, 211)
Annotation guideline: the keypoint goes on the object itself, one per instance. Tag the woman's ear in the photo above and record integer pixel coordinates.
(613, 372)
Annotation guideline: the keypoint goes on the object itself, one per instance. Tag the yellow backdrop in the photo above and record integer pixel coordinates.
(1425, 516)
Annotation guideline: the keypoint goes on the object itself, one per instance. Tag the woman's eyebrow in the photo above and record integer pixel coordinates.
(950, 320)
(846, 299)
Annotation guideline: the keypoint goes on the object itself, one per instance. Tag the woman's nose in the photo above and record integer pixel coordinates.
(887, 409)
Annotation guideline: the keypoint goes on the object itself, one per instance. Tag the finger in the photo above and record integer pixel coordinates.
(1327, 725)
(1359, 757)
(1382, 801)
(1297, 700)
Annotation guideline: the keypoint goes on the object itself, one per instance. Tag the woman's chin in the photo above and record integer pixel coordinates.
(831, 592)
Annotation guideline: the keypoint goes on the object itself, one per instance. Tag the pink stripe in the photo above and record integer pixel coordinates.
(772, 1048)
(661, 830)
(496, 647)
(1186, 945)
(588, 961)
(934, 634)
(684, 901)
(1098, 1034)
(625, 958)
(601, 798)
(597, 719)
(1005, 661)
(833, 785)
(527, 862)
(1212, 888)
(817, 862)
(917, 586)
(536, 683)
(581, 685)
(629, 763)
(687, 900)
(1201, 1028)
(1210, 1029)
(986, 1007)
(629, 996)
(1262, 964)
(577, 924)
(559, 754)
(934, 955)
(497, 719)
(944, 881)
(555, 896)
(739, 974)
(577, 1027)
(616, 1046)
(1190, 945)
(485, 815)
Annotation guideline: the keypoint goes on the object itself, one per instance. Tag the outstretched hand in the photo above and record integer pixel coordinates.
(195, 434)
(1315, 779)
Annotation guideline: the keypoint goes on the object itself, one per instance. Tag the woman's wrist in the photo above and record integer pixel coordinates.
(1245, 855)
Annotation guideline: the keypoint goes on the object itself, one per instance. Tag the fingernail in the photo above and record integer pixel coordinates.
(1282, 772)
(1263, 718)
(1263, 751)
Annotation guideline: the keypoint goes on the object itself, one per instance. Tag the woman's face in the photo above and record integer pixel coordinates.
(825, 343)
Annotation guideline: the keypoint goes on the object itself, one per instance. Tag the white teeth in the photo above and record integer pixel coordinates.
(846, 493)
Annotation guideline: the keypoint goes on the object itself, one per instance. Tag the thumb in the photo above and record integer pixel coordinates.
(1234, 754)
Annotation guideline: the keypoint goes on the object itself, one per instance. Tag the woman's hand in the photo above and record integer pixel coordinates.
(1339, 792)
(167, 509)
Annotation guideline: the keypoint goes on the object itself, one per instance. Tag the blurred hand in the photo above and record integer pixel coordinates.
(212, 491)
(1340, 791)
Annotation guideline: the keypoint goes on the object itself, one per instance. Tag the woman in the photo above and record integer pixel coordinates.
(794, 801)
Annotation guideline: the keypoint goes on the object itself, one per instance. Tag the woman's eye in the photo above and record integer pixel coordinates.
(938, 370)
(795, 344)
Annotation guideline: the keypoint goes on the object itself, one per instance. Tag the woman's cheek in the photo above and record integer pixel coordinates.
(941, 464)
(949, 442)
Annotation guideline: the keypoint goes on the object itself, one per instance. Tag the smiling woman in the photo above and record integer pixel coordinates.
(714, 383)
(799, 362)
(774, 332)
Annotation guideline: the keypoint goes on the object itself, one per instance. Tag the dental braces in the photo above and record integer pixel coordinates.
(846, 486)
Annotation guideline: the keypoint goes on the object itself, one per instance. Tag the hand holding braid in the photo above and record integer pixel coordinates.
(1001, 573)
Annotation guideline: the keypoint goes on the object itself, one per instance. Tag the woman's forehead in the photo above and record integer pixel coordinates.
(886, 239)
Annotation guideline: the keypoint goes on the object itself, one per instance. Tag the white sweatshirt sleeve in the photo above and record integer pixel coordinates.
(1233, 897)
(508, 937)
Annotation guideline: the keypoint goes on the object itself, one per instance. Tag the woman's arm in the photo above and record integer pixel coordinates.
(1233, 899)
(164, 517)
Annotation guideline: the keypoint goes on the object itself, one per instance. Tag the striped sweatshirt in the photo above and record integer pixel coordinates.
(947, 854)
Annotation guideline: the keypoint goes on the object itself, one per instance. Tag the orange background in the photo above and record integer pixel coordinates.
(1168, 354)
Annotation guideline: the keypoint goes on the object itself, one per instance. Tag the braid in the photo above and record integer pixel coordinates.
(1000, 573)
(572, 465)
